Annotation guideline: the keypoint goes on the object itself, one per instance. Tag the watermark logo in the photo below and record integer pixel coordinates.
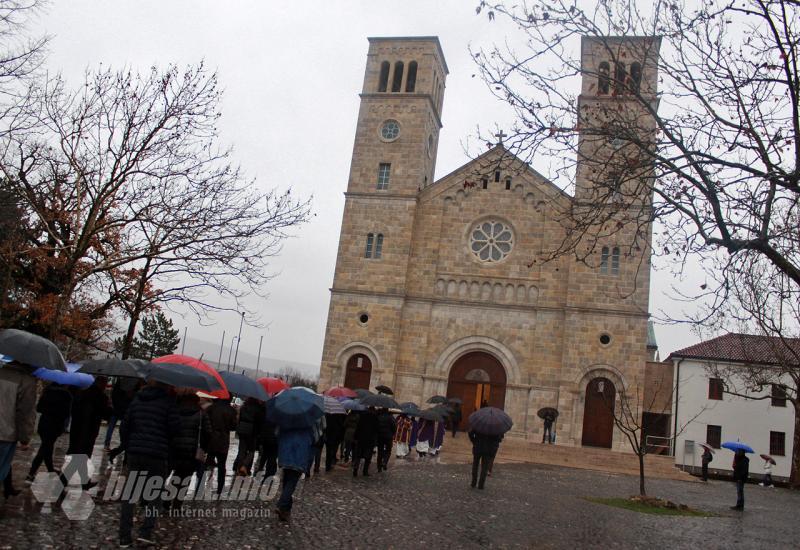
(70, 490)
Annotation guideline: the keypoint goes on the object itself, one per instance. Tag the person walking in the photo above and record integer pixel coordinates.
(89, 408)
(349, 437)
(386, 431)
(547, 435)
(151, 423)
(248, 430)
(704, 462)
(484, 449)
(121, 396)
(222, 419)
(425, 435)
(295, 454)
(54, 407)
(333, 438)
(320, 436)
(402, 436)
(268, 449)
(191, 440)
(767, 474)
(17, 412)
(366, 437)
(741, 471)
(455, 419)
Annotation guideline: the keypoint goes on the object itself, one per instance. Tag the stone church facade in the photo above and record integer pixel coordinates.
(435, 291)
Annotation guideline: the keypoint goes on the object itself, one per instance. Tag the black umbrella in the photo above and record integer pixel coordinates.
(361, 392)
(437, 399)
(456, 400)
(430, 414)
(111, 366)
(444, 410)
(380, 401)
(243, 386)
(544, 412)
(31, 349)
(490, 421)
(182, 376)
(408, 405)
(384, 389)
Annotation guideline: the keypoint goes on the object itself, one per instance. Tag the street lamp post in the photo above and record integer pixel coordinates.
(230, 351)
(258, 361)
(221, 346)
(236, 355)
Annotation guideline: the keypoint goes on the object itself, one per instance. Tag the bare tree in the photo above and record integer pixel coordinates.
(124, 187)
(295, 378)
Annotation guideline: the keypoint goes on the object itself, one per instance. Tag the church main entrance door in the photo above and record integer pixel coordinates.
(359, 371)
(598, 413)
(477, 378)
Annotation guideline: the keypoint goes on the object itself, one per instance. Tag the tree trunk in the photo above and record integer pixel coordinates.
(136, 311)
(641, 474)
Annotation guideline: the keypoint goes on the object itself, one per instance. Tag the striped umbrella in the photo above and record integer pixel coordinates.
(333, 406)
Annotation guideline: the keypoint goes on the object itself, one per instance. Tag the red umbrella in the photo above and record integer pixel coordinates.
(769, 459)
(221, 393)
(339, 391)
(273, 385)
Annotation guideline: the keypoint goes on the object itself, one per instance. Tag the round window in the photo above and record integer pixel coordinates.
(605, 339)
(390, 130)
(491, 241)
(363, 318)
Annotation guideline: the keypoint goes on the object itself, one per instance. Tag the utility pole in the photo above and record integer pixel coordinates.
(221, 345)
(258, 361)
(239, 341)
(183, 344)
(230, 351)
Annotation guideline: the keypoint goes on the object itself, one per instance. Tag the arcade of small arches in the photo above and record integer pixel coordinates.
(626, 80)
(478, 378)
(390, 79)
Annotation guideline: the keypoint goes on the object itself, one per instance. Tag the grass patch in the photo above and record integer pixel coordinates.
(650, 506)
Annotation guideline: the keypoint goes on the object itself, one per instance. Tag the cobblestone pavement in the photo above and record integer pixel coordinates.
(416, 505)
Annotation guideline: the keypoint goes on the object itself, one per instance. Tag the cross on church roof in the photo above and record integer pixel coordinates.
(500, 136)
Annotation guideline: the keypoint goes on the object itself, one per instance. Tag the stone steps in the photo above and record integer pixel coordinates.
(516, 450)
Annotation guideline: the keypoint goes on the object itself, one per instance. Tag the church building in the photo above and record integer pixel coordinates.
(435, 289)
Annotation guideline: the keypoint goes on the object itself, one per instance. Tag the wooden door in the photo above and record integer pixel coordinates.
(598, 415)
(474, 378)
(359, 372)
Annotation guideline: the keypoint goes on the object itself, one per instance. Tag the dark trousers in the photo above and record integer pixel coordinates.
(363, 452)
(330, 454)
(485, 462)
(767, 480)
(183, 468)
(268, 457)
(740, 493)
(704, 469)
(290, 480)
(318, 455)
(149, 467)
(45, 453)
(247, 451)
(218, 459)
(548, 434)
(384, 452)
(454, 426)
(347, 450)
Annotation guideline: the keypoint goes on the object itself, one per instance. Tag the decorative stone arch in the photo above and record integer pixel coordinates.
(351, 349)
(584, 378)
(448, 357)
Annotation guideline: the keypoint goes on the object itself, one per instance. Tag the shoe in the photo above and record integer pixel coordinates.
(761, 484)
(737, 507)
(284, 515)
(29, 479)
(88, 485)
(355, 473)
(125, 542)
(480, 487)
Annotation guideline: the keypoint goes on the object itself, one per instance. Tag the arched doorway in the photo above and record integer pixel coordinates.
(598, 413)
(358, 373)
(477, 378)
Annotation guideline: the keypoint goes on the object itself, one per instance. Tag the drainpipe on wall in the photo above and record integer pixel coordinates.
(676, 397)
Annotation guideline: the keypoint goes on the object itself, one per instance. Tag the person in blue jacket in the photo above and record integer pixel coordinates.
(295, 455)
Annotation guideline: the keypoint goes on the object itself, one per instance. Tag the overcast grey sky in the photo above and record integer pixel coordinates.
(291, 73)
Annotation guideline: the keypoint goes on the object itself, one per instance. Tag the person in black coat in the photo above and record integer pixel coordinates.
(268, 449)
(366, 437)
(89, 408)
(741, 471)
(248, 430)
(484, 449)
(386, 429)
(455, 419)
(333, 438)
(222, 418)
(151, 424)
(192, 435)
(54, 406)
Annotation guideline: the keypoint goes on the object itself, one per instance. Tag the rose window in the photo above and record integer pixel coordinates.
(491, 241)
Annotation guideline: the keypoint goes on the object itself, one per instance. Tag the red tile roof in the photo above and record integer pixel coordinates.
(745, 348)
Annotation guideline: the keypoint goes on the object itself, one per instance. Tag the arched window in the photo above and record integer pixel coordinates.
(383, 80)
(636, 77)
(411, 79)
(603, 78)
(615, 261)
(620, 75)
(379, 246)
(370, 240)
(397, 77)
(604, 260)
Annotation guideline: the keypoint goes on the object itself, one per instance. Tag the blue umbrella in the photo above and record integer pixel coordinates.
(735, 446)
(69, 378)
(353, 405)
(241, 385)
(295, 408)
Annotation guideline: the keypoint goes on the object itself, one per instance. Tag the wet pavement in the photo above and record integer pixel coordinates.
(429, 504)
